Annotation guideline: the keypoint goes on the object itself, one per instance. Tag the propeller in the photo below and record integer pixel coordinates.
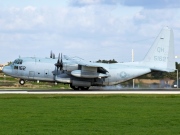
(59, 63)
(52, 55)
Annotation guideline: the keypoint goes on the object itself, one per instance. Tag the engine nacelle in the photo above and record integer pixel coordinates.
(70, 67)
(86, 74)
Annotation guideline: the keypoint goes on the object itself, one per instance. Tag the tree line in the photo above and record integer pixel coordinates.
(107, 61)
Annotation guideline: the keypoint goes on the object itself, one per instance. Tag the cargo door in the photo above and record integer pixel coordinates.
(31, 74)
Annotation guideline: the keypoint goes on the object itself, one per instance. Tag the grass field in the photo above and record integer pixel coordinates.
(90, 114)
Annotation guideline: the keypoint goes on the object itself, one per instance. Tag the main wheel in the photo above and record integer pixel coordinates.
(22, 81)
(84, 88)
(74, 87)
(78, 87)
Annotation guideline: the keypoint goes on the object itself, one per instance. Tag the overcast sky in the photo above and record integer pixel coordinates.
(90, 29)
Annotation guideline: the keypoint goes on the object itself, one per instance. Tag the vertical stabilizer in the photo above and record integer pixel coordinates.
(161, 54)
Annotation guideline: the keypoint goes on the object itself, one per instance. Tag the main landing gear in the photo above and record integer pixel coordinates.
(22, 81)
(79, 87)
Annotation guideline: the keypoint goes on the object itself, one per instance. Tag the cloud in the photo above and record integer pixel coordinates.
(71, 30)
(152, 4)
(81, 3)
(92, 32)
(149, 4)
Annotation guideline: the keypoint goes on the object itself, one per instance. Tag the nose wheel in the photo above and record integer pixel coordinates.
(22, 81)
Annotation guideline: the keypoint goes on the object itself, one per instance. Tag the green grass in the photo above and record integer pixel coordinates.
(89, 114)
(8, 78)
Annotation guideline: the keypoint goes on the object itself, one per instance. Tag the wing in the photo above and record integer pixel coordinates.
(87, 69)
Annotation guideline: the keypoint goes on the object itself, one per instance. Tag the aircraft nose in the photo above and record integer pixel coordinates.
(7, 70)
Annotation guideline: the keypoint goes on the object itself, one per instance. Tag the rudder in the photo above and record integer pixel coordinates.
(161, 54)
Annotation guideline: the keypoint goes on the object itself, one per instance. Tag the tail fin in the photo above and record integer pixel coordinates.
(161, 55)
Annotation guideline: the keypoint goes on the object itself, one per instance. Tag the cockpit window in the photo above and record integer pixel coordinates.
(18, 61)
(15, 67)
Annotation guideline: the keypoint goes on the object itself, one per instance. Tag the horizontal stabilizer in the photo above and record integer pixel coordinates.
(161, 69)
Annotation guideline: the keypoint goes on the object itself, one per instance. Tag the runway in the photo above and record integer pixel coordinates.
(93, 92)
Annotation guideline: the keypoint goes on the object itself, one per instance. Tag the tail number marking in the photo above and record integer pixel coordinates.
(160, 58)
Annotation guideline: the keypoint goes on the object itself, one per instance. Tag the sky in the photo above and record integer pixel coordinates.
(89, 29)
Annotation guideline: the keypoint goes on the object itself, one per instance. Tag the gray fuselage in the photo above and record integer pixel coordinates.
(43, 69)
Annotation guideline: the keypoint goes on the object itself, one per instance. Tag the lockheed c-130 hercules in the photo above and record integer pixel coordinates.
(81, 74)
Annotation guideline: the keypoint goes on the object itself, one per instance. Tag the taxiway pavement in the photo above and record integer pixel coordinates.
(71, 92)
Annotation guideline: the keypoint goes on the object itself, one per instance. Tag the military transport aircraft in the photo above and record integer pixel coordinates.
(81, 74)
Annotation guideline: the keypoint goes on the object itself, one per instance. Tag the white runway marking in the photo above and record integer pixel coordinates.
(85, 92)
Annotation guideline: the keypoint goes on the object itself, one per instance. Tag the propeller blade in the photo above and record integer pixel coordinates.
(59, 63)
(59, 57)
(51, 54)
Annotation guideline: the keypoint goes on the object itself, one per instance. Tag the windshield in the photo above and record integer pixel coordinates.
(18, 61)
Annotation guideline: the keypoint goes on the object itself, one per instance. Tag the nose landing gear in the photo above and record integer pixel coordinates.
(22, 81)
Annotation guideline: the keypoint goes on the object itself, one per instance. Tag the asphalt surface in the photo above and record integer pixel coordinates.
(92, 91)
